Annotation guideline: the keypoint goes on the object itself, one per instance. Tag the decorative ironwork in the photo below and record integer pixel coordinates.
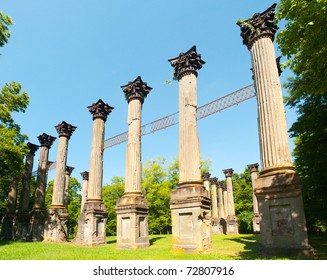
(228, 172)
(206, 110)
(46, 140)
(187, 62)
(100, 110)
(32, 148)
(65, 129)
(136, 90)
(260, 24)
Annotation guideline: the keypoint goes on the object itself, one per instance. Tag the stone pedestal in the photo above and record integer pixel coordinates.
(23, 218)
(131, 208)
(283, 225)
(231, 219)
(93, 218)
(256, 216)
(39, 214)
(190, 202)
(56, 229)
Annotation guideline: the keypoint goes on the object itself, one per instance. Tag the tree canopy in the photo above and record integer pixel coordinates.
(303, 43)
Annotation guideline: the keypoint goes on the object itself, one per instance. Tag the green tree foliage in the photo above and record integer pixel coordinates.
(111, 193)
(5, 21)
(303, 42)
(242, 189)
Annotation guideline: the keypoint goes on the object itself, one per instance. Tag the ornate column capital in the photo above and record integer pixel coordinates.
(32, 148)
(253, 167)
(65, 129)
(85, 175)
(220, 184)
(136, 89)
(261, 24)
(213, 180)
(228, 172)
(100, 110)
(206, 176)
(69, 170)
(46, 140)
(188, 62)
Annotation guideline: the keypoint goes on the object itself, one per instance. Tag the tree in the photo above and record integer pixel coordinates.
(5, 21)
(303, 42)
(242, 189)
(111, 193)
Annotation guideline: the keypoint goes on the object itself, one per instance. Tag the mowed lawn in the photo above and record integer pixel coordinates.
(224, 247)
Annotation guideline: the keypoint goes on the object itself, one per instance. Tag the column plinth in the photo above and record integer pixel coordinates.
(56, 229)
(189, 202)
(39, 214)
(278, 188)
(93, 218)
(132, 208)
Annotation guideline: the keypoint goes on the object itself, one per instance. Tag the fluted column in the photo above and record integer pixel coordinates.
(100, 111)
(132, 206)
(7, 231)
(191, 226)
(225, 200)
(65, 131)
(221, 211)
(68, 173)
(38, 213)
(85, 177)
(206, 181)
(278, 189)
(214, 201)
(93, 218)
(22, 220)
(232, 225)
(256, 216)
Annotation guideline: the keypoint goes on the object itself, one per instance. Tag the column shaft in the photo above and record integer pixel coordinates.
(133, 180)
(96, 161)
(189, 149)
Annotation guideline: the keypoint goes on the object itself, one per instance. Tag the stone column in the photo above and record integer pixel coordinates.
(279, 194)
(206, 181)
(68, 173)
(7, 232)
(94, 224)
(190, 202)
(57, 223)
(39, 213)
(214, 206)
(132, 208)
(221, 210)
(256, 216)
(225, 201)
(231, 219)
(23, 217)
(85, 177)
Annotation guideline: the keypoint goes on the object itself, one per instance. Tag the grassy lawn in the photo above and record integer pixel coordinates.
(239, 247)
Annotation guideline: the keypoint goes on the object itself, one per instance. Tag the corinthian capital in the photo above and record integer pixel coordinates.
(136, 90)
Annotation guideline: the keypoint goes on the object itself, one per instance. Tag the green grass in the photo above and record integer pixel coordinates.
(238, 247)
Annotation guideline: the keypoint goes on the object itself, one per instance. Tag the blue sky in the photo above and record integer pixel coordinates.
(67, 54)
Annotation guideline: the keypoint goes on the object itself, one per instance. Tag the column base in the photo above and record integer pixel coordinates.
(56, 227)
(7, 232)
(37, 224)
(216, 227)
(22, 225)
(132, 222)
(282, 226)
(92, 224)
(191, 226)
(231, 224)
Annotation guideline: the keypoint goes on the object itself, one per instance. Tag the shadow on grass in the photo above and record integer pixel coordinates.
(154, 239)
(5, 242)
